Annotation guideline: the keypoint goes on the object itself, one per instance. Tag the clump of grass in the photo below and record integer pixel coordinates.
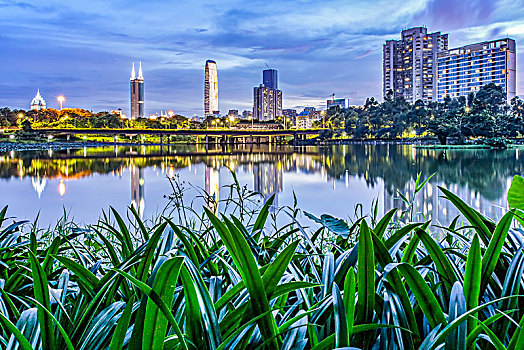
(234, 281)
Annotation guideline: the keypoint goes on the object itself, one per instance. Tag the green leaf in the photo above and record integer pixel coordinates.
(382, 225)
(349, 299)
(472, 277)
(240, 251)
(492, 253)
(516, 193)
(440, 260)
(41, 292)
(365, 276)
(426, 299)
(341, 329)
(474, 217)
(262, 217)
(121, 327)
(457, 307)
(155, 323)
(158, 302)
(337, 226)
(7, 325)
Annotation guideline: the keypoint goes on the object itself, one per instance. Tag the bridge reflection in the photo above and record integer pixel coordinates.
(480, 177)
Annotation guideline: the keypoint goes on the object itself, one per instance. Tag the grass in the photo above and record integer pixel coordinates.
(200, 280)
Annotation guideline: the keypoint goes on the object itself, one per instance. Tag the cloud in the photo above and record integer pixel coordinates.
(85, 51)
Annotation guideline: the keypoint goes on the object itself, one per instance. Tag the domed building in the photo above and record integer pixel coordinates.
(38, 102)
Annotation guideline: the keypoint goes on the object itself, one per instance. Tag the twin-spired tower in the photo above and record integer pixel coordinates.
(211, 89)
(137, 93)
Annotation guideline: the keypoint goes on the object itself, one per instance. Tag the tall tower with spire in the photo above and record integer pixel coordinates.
(137, 93)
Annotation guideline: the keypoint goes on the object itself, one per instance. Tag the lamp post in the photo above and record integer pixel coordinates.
(20, 116)
(286, 119)
(231, 119)
(61, 100)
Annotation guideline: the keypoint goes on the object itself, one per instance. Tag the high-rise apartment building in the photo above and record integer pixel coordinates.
(267, 99)
(410, 64)
(137, 93)
(211, 89)
(270, 78)
(267, 103)
(466, 69)
(341, 102)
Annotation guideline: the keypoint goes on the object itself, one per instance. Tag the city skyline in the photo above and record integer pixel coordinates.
(342, 52)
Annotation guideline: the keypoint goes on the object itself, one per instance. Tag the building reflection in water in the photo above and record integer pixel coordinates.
(212, 187)
(267, 180)
(39, 184)
(429, 203)
(137, 189)
(481, 178)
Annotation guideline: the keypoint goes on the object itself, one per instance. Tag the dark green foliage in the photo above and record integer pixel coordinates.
(241, 283)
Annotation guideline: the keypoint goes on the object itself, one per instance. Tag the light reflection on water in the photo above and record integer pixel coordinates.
(330, 180)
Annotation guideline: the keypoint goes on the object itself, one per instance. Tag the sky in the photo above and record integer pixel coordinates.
(84, 49)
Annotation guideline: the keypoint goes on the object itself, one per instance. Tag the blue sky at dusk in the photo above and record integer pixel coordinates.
(84, 49)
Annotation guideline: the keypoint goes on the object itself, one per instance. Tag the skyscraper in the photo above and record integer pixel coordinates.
(466, 69)
(267, 99)
(137, 93)
(410, 64)
(267, 103)
(211, 89)
(270, 78)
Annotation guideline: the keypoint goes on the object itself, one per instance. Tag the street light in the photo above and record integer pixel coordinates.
(287, 119)
(20, 116)
(231, 119)
(323, 119)
(60, 99)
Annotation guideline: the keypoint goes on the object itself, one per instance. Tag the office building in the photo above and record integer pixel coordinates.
(306, 118)
(270, 78)
(341, 102)
(38, 102)
(211, 89)
(137, 93)
(247, 114)
(309, 109)
(410, 64)
(466, 69)
(267, 103)
(233, 113)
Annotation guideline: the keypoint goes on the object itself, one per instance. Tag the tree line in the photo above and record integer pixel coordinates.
(485, 114)
(81, 118)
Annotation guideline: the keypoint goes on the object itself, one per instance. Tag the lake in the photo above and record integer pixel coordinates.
(332, 179)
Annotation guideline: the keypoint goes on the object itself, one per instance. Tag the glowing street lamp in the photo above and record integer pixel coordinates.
(231, 119)
(61, 100)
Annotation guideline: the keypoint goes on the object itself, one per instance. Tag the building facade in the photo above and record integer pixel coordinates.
(270, 78)
(267, 103)
(211, 89)
(341, 102)
(137, 93)
(466, 69)
(247, 114)
(38, 102)
(410, 64)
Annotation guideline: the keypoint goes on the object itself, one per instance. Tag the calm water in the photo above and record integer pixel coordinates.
(330, 180)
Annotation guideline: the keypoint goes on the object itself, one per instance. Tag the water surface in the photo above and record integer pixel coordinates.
(334, 179)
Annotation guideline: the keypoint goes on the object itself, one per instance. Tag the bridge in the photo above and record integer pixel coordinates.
(219, 136)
